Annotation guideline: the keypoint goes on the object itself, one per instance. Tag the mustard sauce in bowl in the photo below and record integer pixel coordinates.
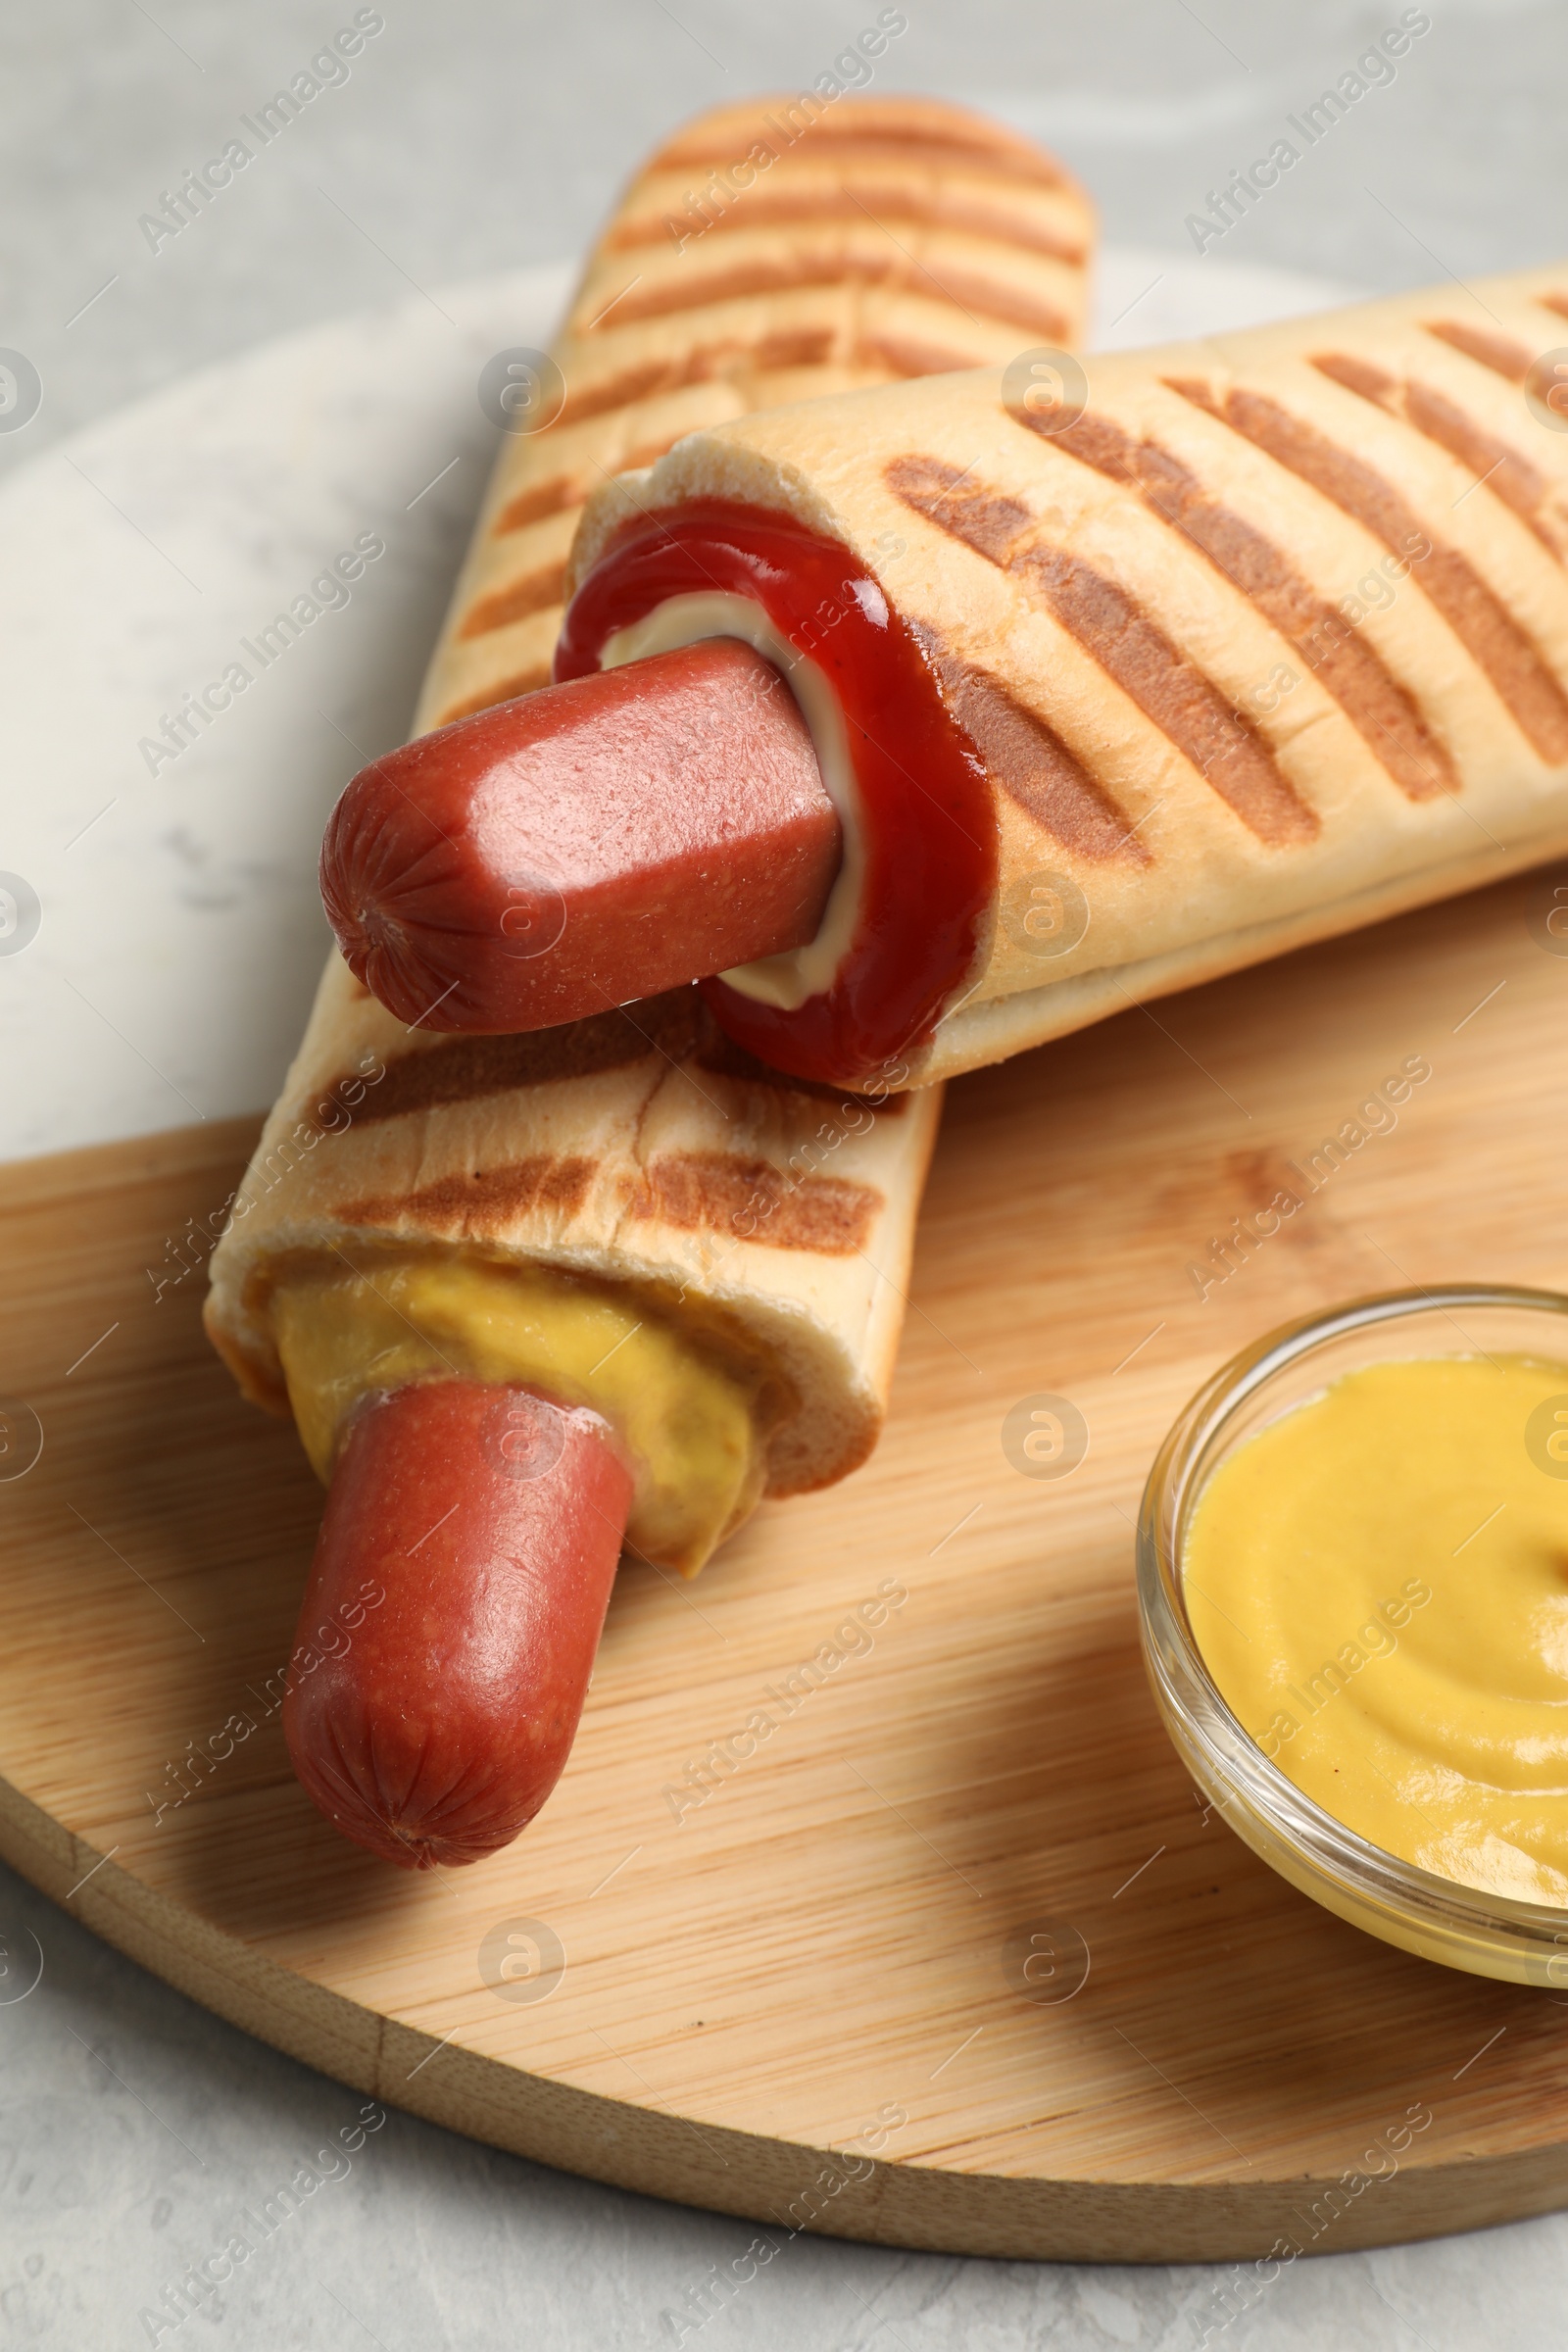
(1378, 1581)
(1353, 1593)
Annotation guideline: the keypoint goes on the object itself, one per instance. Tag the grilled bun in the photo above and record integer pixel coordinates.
(886, 238)
(1268, 642)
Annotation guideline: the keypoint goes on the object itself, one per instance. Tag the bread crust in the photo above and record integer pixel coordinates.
(638, 1149)
(887, 236)
(1270, 641)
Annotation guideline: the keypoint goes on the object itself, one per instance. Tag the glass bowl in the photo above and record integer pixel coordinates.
(1491, 1936)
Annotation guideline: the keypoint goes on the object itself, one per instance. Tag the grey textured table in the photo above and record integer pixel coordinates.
(135, 2128)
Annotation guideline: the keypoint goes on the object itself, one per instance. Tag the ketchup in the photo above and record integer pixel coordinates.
(929, 826)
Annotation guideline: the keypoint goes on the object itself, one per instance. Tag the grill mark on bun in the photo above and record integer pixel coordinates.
(922, 149)
(988, 520)
(466, 1069)
(1506, 471)
(775, 207)
(1501, 352)
(565, 490)
(926, 151)
(1222, 744)
(926, 142)
(795, 347)
(673, 1029)
(534, 592)
(1357, 374)
(628, 384)
(904, 356)
(540, 501)
(480, 1204)
(1553, 302)
(1482, 625)
(728, 356)
(1383, 713)
(823, 273)
(506, 690)
(1029, 760)
(752, 1200)
(1496, 465)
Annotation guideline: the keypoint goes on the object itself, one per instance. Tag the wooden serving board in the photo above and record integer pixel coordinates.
(830, 1949)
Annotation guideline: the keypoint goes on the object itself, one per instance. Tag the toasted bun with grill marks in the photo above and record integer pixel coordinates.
(1269, 642)
(640, 1148)
(772, 250)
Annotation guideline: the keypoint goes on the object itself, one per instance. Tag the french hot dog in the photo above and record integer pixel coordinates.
(621, 1229)
(1263, 638)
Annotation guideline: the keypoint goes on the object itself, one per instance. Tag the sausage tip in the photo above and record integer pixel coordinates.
(451, 1616)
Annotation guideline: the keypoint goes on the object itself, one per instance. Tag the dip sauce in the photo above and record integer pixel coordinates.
(1378, 1581)
(926, 809)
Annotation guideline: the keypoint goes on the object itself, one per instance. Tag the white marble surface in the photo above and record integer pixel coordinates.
(180, 934)
(132, 2125)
